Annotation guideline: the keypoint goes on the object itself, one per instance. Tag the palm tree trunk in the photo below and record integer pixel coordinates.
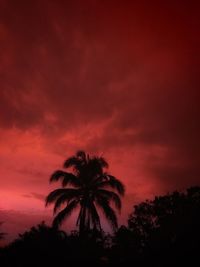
(82, 226)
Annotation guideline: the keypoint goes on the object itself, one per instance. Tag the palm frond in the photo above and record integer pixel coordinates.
(110, 196)
(54, 195)
(65, 213)
(71, 162)
(65, 177)
(108, 212)
(71, 179)
(95, 217)
(70, 194)
(103, 162)
(113, 182)
(58, 174)
(80, 215)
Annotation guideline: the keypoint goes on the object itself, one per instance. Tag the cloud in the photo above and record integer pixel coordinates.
(35, 195)
(59, 63)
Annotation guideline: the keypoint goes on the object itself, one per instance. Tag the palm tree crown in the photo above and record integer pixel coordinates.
(87, 186)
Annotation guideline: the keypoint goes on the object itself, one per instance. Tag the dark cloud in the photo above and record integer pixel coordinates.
(64, 59)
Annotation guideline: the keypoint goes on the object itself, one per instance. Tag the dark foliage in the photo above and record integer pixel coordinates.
(169, 228)
(46, 246)
(160, 232)
(2, 235)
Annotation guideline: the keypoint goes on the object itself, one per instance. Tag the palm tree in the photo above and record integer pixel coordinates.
(86, 187)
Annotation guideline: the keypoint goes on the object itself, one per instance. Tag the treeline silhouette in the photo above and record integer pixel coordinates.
(1, 233)
(164, 231)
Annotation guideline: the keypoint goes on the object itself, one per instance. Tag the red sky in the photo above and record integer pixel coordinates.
(118, 78)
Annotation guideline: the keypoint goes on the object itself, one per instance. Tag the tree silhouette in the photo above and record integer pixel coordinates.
(168, 228)
(42, 245)
(161, 232)
(39, 246)
(1, 233)
(88, 187)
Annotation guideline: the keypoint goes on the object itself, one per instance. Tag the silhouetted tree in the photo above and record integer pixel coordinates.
(1, 233)
(169, 227)
(161, 232)
(46, 246)
(87, 186)
(38, 246)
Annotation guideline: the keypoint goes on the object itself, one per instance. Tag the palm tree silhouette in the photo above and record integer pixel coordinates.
(88, 187)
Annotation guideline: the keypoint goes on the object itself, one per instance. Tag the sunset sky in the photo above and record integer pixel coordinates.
(116, 78)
